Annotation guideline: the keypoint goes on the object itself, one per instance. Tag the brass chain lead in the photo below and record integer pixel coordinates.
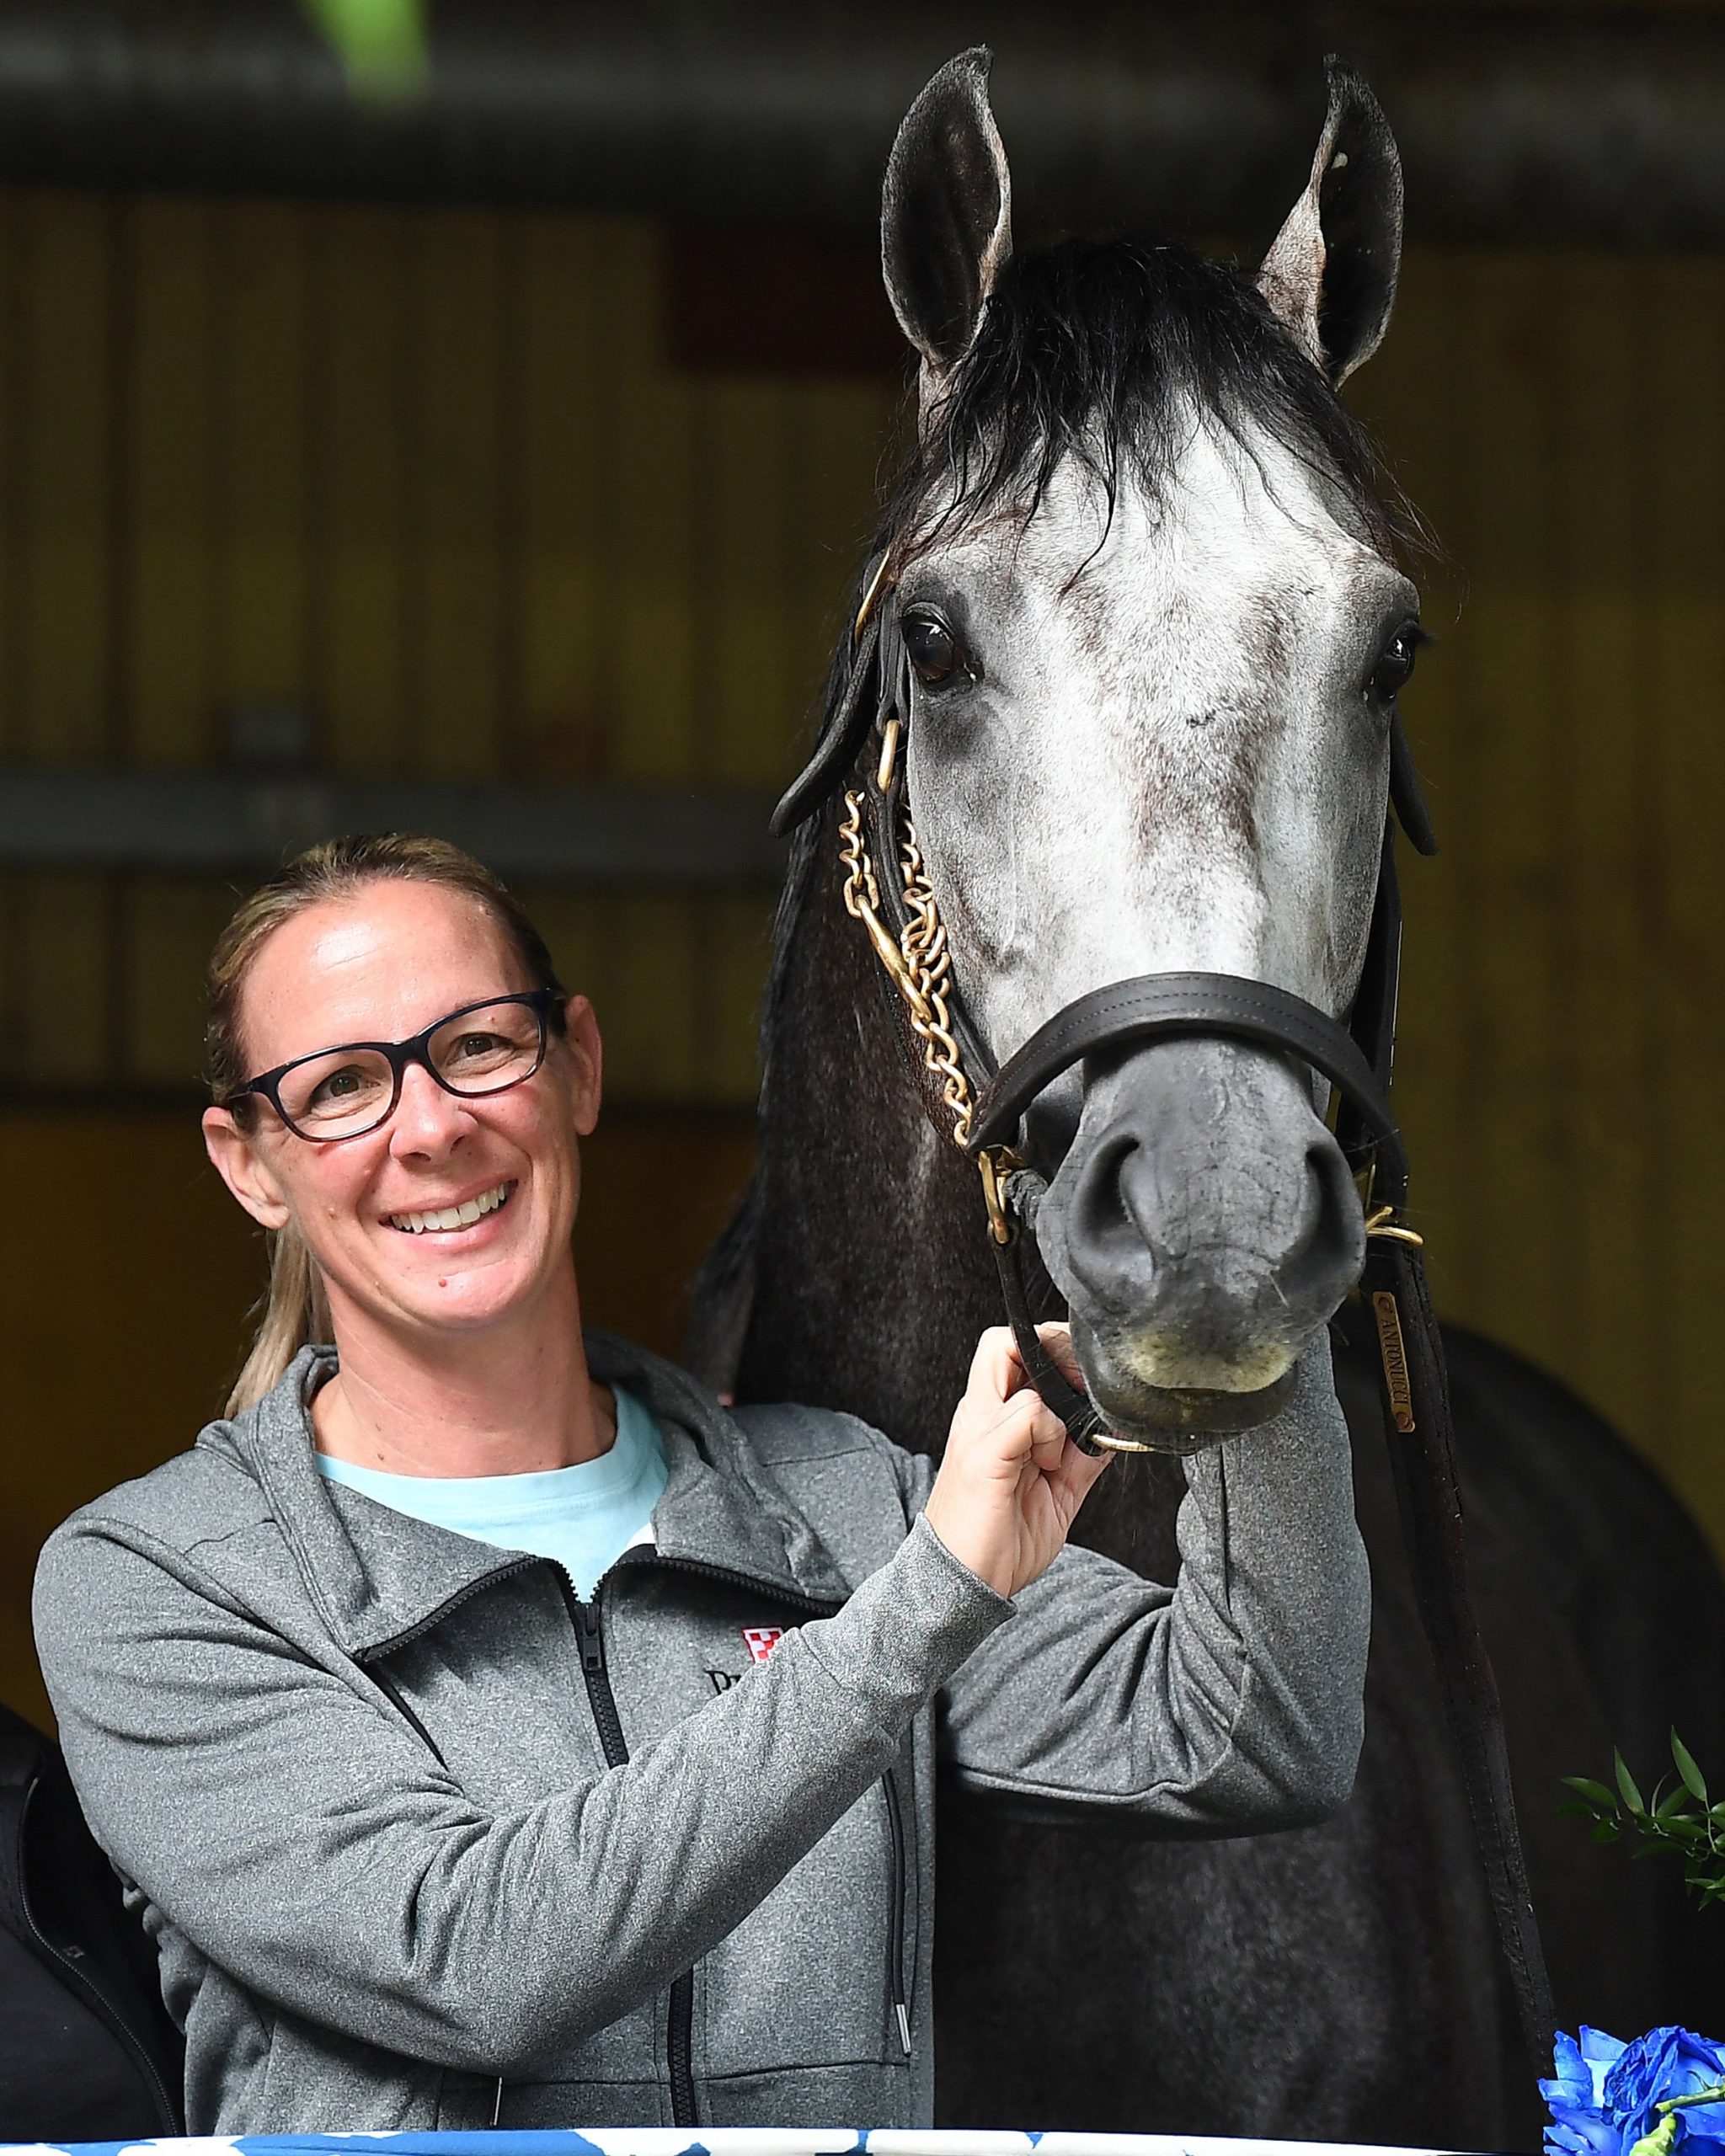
(918, 959)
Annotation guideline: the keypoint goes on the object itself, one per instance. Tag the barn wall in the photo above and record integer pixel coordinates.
(1562, 421)
(481, 496)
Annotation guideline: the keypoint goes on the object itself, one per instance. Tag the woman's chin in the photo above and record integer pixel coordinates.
(476, 1294)
(448, 1287)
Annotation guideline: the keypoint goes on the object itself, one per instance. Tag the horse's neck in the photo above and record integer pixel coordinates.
(870, 1279)
(869, 1274)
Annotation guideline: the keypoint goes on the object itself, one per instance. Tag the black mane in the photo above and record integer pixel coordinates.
(1102, 352)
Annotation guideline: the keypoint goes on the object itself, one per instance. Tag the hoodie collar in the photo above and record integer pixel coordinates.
(379, 1577)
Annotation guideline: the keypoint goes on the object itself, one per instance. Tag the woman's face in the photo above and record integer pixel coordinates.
(381, 966)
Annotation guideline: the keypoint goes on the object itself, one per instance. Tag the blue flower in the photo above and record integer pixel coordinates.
(1668, 2063)
(1579, 2126)
(1605, 2095)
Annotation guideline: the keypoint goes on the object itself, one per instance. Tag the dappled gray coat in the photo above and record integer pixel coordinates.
(365, 1775)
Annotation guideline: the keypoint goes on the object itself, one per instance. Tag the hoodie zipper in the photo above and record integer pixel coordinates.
(817, 1605)
(679, 2038)
(167, 2112)
(584, 1618)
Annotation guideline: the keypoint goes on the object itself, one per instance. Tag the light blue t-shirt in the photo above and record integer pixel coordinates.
(583, 1517)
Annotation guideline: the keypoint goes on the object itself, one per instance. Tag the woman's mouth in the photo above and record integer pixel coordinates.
(447, 1219)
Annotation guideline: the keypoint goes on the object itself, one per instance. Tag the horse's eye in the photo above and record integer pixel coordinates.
(1394, 664)
(933, 650)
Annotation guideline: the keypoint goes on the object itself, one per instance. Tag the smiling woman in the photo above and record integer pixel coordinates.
(523, 1695)
(303, 959)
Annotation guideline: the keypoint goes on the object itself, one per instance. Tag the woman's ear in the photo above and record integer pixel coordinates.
(235, 1156)
(587, 1050)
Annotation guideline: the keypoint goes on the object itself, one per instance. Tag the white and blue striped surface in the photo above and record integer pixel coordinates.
(714, 2141)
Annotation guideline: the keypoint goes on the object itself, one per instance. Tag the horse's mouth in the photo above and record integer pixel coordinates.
(1180, 1419)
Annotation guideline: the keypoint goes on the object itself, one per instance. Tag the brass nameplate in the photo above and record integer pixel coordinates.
(1395, 1355)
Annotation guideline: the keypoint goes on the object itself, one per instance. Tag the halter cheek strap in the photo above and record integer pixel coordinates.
(887, 891)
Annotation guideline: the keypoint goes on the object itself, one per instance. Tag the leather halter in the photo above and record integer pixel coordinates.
(888, 892)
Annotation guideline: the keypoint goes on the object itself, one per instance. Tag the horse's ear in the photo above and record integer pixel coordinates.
(1331, 273)
(946, 213)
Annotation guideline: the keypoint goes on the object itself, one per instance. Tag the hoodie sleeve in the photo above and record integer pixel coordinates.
(282, 1814)
(1230, 1703)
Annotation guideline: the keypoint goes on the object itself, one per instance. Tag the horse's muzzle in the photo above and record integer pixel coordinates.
(1203, 1227)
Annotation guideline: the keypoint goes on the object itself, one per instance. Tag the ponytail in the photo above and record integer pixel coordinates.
(294, 1311)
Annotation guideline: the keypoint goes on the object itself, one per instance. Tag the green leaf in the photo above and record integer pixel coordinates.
(1661, 2141)
(1675, 1805)
(1596, 1793)
(1693, 1780)
(1631, 1794)
(1606, 1831)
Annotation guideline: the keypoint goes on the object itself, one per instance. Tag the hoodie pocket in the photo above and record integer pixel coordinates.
(814, 1975)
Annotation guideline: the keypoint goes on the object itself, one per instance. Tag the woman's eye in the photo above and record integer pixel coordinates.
(474, 1046)
(932, 649)
(339, 1086)
(1394, 664)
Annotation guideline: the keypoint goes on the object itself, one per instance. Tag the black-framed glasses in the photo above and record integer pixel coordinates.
(345, 1092)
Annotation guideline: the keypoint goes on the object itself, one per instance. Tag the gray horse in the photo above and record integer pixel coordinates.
(1150, 586)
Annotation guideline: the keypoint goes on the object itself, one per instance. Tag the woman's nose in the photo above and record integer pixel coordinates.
(427, 1118)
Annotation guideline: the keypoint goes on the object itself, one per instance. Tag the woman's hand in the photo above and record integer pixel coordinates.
(1012, 1480)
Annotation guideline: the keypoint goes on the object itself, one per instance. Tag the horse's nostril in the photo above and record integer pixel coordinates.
(1334, 1244)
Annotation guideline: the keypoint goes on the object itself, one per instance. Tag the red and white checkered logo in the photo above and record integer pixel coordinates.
(761, 1640)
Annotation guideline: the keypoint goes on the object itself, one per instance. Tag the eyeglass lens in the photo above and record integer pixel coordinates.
(349, 1090)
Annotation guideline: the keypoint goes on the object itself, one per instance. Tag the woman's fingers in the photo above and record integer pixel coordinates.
(1057, 1340)
(999, 1379)
(998, 1368)
(1011, 1480)
(1048, 1437)
(1076, 1476)
(996, 1371)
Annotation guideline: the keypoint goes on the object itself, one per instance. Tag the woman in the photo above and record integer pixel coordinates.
(490, 1726)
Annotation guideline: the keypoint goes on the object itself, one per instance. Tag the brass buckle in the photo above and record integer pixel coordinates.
(1384, 1225)
(995, 1163)
(870, 597)
(888, 753)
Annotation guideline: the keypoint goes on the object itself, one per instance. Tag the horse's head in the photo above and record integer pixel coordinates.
(1145, 581)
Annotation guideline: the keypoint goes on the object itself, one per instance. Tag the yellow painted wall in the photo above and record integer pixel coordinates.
(1561, 420)
(435, 477)
(431, 477)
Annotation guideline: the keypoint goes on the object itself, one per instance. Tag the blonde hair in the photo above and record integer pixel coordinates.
(294, 1309)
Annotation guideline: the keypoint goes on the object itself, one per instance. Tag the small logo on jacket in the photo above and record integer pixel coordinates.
(761, 1640)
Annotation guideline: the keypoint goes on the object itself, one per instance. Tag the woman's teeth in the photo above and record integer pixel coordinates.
(452, 1216)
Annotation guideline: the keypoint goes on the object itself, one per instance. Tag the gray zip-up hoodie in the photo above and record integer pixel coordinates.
(423, 1839)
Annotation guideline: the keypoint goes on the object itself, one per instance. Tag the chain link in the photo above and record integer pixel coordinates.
(917, 959)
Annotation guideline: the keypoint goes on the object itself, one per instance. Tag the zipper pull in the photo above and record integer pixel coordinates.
(592, 1642)
(904, 2014)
